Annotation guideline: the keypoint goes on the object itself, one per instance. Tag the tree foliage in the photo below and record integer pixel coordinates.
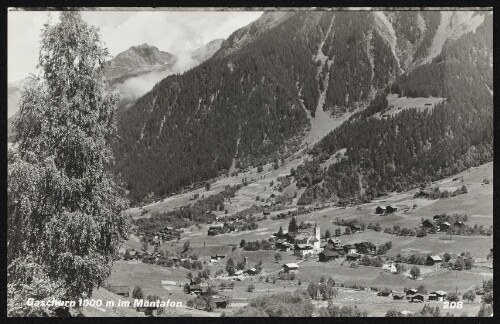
(64, 208)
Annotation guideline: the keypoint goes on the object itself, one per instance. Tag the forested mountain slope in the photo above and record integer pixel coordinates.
(413, 148)
(252, 99)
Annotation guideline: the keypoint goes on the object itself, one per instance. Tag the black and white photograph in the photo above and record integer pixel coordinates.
(249, 162)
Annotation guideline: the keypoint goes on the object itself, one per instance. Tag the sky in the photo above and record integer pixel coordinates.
(176, 32)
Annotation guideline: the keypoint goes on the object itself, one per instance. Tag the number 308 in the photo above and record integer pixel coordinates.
(453, 305)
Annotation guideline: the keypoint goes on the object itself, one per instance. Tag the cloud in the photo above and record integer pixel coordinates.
(171, 31)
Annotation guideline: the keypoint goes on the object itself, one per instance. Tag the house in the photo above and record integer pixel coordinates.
(390, 267)
(194, 289)
(220, 301)
(353, 256)
(286, 247)
(443, 227)
(238, 273)
(328, 255)
(385, 292)
(379, 210)
(252, 271)
(421, 194)
(417, 298)
(391, 209)
(366, 247)
(459, 223)
(410, 292)
(120, 290)
(350, 249)
(333, 241)
(438, 295)
(427, 223)
(407, 313)
(436, 218)
(290, 267)
(279, 243)
(433, 259)
(316, 207)
(302, 249)
(266, 211)
(397, 295)
(216, 258)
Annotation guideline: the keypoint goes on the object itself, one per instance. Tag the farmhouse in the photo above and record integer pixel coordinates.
(221, 301)
(120, 290)
(417, 298)
(438, 295)
(391, 209)
(385, 292)
(252, 271)
(266, 211)
(302, 249)
(238, 273)
(216, 258)
(390, 267)
(428, 224)
(290, 267)
(328, 255)
(444, 226)
(350, 249)
(215, 229)
(398, 295)
(379, 210)
(301, 239)
(286, 247)
(279, 243)
(410, 292)
(433, 259)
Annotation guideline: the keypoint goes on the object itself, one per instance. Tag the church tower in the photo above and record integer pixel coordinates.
(317, 236)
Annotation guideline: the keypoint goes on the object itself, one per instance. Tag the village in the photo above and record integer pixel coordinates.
(378, 254)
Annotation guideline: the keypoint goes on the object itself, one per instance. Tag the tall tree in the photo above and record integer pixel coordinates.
(65, 210)
(292, 226)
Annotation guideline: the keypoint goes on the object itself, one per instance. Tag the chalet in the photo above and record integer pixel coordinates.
(279, 243)
(385, 292)
(433, 259)
(436, 218)
(252, 271)
(333, 241)
(220, 301)
(410, 292)
(328, 255)
(353, 257)
(266, 211)
(239, 273)
(290, 267)
(443, 227)
(397, 295)
(391, 209)
(379, 210)
(194, 289)
(302, 249)
(286, 247)
(366, 247)
(438, 295)
(350, 249)
(316, 207)
(120, 290)
(216, 258)
(427, 223)
(417, 298)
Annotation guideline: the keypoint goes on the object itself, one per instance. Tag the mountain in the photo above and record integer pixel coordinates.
(138, 60)
(207, 51)
(132, 73)
(271, 84)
